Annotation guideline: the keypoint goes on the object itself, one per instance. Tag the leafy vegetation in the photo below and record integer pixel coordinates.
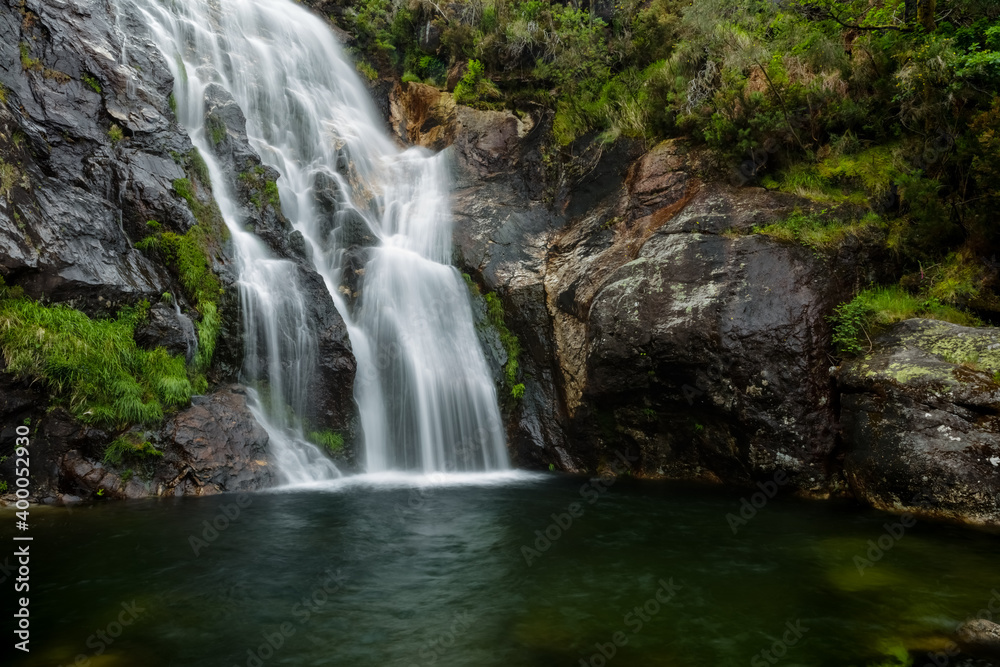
(510, 342)
(263, 191)
(129, 448)
(115, 133)
(885, 113)
(27, 62)
(91, 81)
(859, 321)
(332, 442)
(93, 366)
(189, 255)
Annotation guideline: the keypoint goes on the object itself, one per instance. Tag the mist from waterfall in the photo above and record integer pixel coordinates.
(378, 225)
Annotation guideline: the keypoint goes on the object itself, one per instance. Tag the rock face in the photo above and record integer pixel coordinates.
(655, 322)
(921, 420)
(214, 446)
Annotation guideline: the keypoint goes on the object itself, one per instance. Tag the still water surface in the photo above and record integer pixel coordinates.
(388, 572)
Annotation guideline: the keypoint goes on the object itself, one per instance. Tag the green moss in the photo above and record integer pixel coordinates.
(215, 129)
(27, 62)
(115, 133)
(93, 366)
(172, 102)
(188, 256)
(3, 94)
(263, 191)
(129, 448)
(9, 177)
(332, 442)
(91, 81)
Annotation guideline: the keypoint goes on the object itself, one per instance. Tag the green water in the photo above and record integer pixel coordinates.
(438, 576)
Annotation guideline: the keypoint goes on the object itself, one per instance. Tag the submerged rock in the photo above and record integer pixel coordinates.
(979, 637)
(921, 421)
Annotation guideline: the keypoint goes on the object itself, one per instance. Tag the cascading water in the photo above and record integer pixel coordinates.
(426, 398)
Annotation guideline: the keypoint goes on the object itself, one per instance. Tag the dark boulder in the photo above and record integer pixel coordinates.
(921, 421)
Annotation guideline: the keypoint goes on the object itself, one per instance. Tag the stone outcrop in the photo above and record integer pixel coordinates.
(921, 421)
(214, 446)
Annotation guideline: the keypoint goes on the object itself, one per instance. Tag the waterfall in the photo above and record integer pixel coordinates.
(376, 219)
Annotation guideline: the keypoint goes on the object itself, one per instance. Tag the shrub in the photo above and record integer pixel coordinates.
(115, 133)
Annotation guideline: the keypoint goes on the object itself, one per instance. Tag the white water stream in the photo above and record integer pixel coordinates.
(426, 398)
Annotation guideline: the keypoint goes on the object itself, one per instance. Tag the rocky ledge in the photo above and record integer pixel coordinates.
(921, 421)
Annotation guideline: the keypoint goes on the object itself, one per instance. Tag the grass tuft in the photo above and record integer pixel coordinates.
(92, 365)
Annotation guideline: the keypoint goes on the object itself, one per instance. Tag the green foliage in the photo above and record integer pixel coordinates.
(27, 62)
(366, 70)
(263, 191)
(511, 344)
(474, 87)
(3, 94)
(190, 257)
(172, 102)
(115, 133)
(215, 129)
(93, 366)
(9, 178)
(857, 322)
(332, 442)
(821, 232)
(92, 81)
(129, 448)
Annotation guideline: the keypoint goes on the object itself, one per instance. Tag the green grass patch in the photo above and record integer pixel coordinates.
(857, 322)
(27, 62)
(366, 70)
(91, 81)
(115, 133)
(821, 232)
(128, 448)
(92, 365)
(332, 442)
(187, 256)
(856, 178)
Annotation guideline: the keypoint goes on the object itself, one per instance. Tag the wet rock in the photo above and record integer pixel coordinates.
(422, 115)
(167, 327)
(979, 637)
(921, 421)
(213, 446)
